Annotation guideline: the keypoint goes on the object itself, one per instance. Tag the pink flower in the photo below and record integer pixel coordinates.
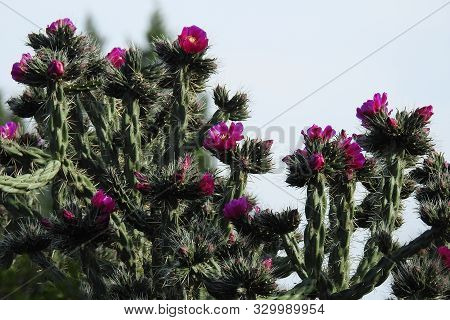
(55, 69)
(316, 161)
(236, 208)
(267, 263)
(392, 122)
(221, 138)
(372, 107)
(192, 40)
(352, 151)
(425, 113)
(316, 132)
(9, 130)
(103, 202)
(207, 184)
(67, 215)
(444, 252)
(117, 57)
(60, 23)
(19, 68)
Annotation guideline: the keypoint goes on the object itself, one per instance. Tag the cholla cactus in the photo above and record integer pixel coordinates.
(117, 143)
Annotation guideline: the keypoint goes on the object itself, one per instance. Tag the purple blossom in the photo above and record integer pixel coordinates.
(192, 40)
(353, 152)
(221, 138)
(444, 253)
(316, 161)
(55, 69)
(19, 68)
(206, 184)
(372, 107)
(9, 130)
(425, 113)
(117, 57)
(103, 202)
(60, 23)
(316, 132)
(237, 208)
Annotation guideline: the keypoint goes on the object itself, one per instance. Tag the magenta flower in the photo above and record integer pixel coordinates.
(221, 138)
(425, 113)
(19, 68)
(316, 162)
(444, 252)
(352, 151)
(316, 132)
(67, 215)
(237, 208)
(55, 69)
(60, 23)
(372, 107)
(117, 57)
(9, 130)
(207, 184)
(192, 40)
(103, 202)
(267, 263)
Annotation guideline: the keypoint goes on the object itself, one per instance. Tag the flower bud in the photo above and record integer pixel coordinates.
(55, 69)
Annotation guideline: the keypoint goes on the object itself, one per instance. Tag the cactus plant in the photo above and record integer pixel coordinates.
(117, 143)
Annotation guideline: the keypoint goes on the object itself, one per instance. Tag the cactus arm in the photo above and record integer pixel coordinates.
(391, 188)
(339, 261)
(299, 292)
(372, 278)
(132, 143)
(47, 266)
(293, 251)
(27, 182)
(92, 271)
(315, 229)
(58, 109)
(179, 119)
(24, 156)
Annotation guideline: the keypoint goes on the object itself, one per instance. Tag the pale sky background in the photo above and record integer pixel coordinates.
(280, 52)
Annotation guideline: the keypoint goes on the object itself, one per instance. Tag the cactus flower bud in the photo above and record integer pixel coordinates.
(60, 23)
(221, 137)
(68, 216)
(267, 263)
(392, 122)
(9, 130)
(19, 68)
(237, 208)
(316, 161)
(206, 184)
(444, 253)
(184, 167)
(425, 113)
(103, 202)
(316, 132)
(267, 145)
(55, 69)
(183, 251)
(117, 57)
(143, 183)
(46, 223)
(192, 40)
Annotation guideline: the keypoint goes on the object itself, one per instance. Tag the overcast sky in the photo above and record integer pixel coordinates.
(283, 52)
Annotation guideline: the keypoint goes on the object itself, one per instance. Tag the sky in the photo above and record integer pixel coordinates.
(301, 62)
